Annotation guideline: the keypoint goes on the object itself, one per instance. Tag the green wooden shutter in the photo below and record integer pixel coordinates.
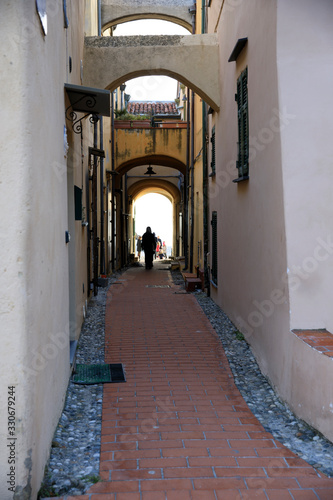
(243, 125)
(214, 247)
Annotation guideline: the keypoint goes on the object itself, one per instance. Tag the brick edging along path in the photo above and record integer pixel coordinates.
(179, 428)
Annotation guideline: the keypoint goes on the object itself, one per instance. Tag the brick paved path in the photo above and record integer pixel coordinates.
(178, 429)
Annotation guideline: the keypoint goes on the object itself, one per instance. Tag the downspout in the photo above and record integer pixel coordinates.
(94, 201)
(192, 11)
(113, 190)
(126, 222)
(186, 181)
(87, 211)
(102, 248)
(192, 184)
(121, 191)
(205, 172)
(99, 12)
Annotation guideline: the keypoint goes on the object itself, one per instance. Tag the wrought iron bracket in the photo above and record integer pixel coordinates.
(89, 101)
(86, 101)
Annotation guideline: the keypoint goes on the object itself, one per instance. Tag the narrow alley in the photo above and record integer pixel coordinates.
(191, 116)
(178, 428)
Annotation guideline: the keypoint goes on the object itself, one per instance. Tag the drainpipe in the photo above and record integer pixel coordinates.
(87, 211)
(113, 188)
(205, 173)
(126, 222)
(102, 248)
(122, 256)
(94, 216)
(192, 184)
(186, 182)
(99, 11)
(192, 10)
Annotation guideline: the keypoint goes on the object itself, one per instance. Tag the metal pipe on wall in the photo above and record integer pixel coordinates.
(113, 188)
(101, 133)
(205, 173)
(94, 215)
(192, 184)
(126, 221)
(102, 247)
(193, 12)
(186, 182)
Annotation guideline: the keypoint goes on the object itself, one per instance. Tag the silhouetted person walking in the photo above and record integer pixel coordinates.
(148, 246)
(139, 246)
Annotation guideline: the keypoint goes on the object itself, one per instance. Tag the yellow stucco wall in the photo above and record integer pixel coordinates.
(138, 143)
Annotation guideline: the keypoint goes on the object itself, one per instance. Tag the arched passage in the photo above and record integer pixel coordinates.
(118, 11)
(192, 60)
(138, 17)
(163, 160)
(165, 188)
(160, 186)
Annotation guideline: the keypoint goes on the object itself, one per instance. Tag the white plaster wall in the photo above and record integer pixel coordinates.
(34, 313)
(305, 69)
(251, 233)
(280, 218)
(308, 388)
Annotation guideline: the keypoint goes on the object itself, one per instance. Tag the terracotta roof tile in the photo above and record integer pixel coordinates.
(155, 108)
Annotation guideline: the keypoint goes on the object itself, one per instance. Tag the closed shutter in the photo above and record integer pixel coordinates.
(243, 125)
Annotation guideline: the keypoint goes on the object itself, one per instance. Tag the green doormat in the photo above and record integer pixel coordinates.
(98, 374)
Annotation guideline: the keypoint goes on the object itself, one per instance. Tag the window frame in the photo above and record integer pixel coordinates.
(242, 99)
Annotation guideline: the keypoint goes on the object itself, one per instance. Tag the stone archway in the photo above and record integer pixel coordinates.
(163, 160)
(156, 186)
(192, 60)
(119, 11)
(164, 188)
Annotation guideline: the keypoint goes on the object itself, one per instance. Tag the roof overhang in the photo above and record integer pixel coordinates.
(240, 44)
(89, 100)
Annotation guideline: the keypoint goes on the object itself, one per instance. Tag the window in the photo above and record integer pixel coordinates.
(213, 162)
(214, 248)
(243, 127)
(78, 203)
(41, 10)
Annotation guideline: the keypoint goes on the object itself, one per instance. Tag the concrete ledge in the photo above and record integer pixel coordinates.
(320, 340)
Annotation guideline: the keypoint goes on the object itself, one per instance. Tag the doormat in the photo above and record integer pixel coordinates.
(98, 374)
